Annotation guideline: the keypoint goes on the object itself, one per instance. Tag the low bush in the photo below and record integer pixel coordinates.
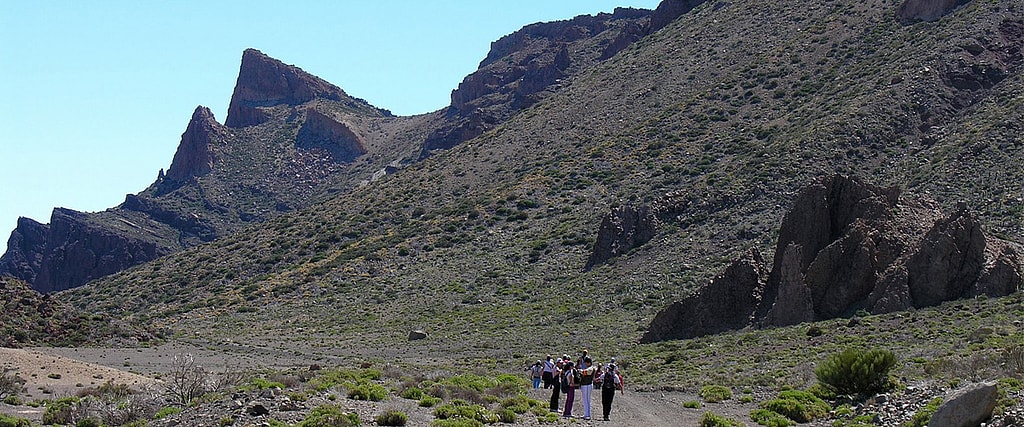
(460, 422)
(691, 404)
(6, 421)
(60, 411)
(429, 401)
(166, 412)
(710, 419)
(506, 416)
(715, 393)
(517, 404)
(462, 409)
(799, 406)
(412, 393)
(857, 372)
(769, 418)
(392, 418)
(329, 416)
(367, 391)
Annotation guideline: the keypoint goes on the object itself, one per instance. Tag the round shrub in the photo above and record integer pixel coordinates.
(711, 419)
(6, 421)
(799, 406)
(429, 401)
(329, 416)
(715, 393)
(770, 418)
(368, 391)
(392, 417)
(506, 416)
(857, 372)
(412, 393)
(691, 404)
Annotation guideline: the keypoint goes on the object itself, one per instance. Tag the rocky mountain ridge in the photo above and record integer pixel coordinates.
(334, 132)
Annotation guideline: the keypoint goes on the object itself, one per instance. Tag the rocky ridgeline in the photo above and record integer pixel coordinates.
(269, 96)
(845, 246)
(525, 67)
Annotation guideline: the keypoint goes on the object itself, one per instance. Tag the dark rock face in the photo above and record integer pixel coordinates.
(730, 301)
(264, 82)
(668, 10)
(848, 246)
(194, 156)
(927, 10)
(25, 250)
(72, 251)
(324, 132)
(622, 230)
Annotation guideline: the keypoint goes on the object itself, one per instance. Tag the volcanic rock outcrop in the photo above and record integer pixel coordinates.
(847, 246)
(195, 156)
(264, 82)
(927, 10)
(336, 137)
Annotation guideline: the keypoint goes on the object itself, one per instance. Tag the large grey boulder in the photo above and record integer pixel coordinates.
(966, 407)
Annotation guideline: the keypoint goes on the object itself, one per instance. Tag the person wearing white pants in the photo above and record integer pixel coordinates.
(587, 384)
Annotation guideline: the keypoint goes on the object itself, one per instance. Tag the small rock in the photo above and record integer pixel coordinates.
(257, 410)
(417, 335)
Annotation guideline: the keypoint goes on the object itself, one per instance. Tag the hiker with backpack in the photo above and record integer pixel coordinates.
(570, 382)
(556, 389)
(548, 376)
(610, 381)
(536, 373)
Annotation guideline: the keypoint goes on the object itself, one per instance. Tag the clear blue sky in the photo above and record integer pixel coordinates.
(94, 95)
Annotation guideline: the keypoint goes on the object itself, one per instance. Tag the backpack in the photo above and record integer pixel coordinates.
(609, 382)
(564, 383)
(575, 378)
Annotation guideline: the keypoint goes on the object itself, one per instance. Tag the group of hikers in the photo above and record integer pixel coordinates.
(565, 376)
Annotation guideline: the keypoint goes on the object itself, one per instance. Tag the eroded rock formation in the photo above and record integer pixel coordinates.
(195, 156)
(264, 82)
(847, 246)
(336, 137)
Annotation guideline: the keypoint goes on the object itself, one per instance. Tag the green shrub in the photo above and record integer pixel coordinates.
(6, 421)
(166, 412)
(12, 400)
(329, 416)
(461, 409)
(392, 417)
(59, 411)
(770, 418)
(429, 401)
(506, 416)
(265, 384)
(412, 393)
(746, 398)
(517, 404)
(691, 404)
(548, 418)
(924, 415)
(88, 422)
(799, 406)
(710, 419)
(367, 391)
(460, 422)
(857, 372)
(715, 393)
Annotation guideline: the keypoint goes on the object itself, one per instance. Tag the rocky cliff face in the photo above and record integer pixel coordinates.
(72, 250)
(264, 82)
(195, 156)
(847, 246)
(524, 67)
(927, 10)
(336, 137)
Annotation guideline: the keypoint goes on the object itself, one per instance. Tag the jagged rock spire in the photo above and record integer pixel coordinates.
(195, 156)
(266, 82)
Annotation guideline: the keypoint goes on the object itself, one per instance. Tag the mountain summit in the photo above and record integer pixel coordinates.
(264, 82)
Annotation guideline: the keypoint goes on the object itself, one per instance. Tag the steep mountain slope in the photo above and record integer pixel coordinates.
(291, 138)
(723, 114)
